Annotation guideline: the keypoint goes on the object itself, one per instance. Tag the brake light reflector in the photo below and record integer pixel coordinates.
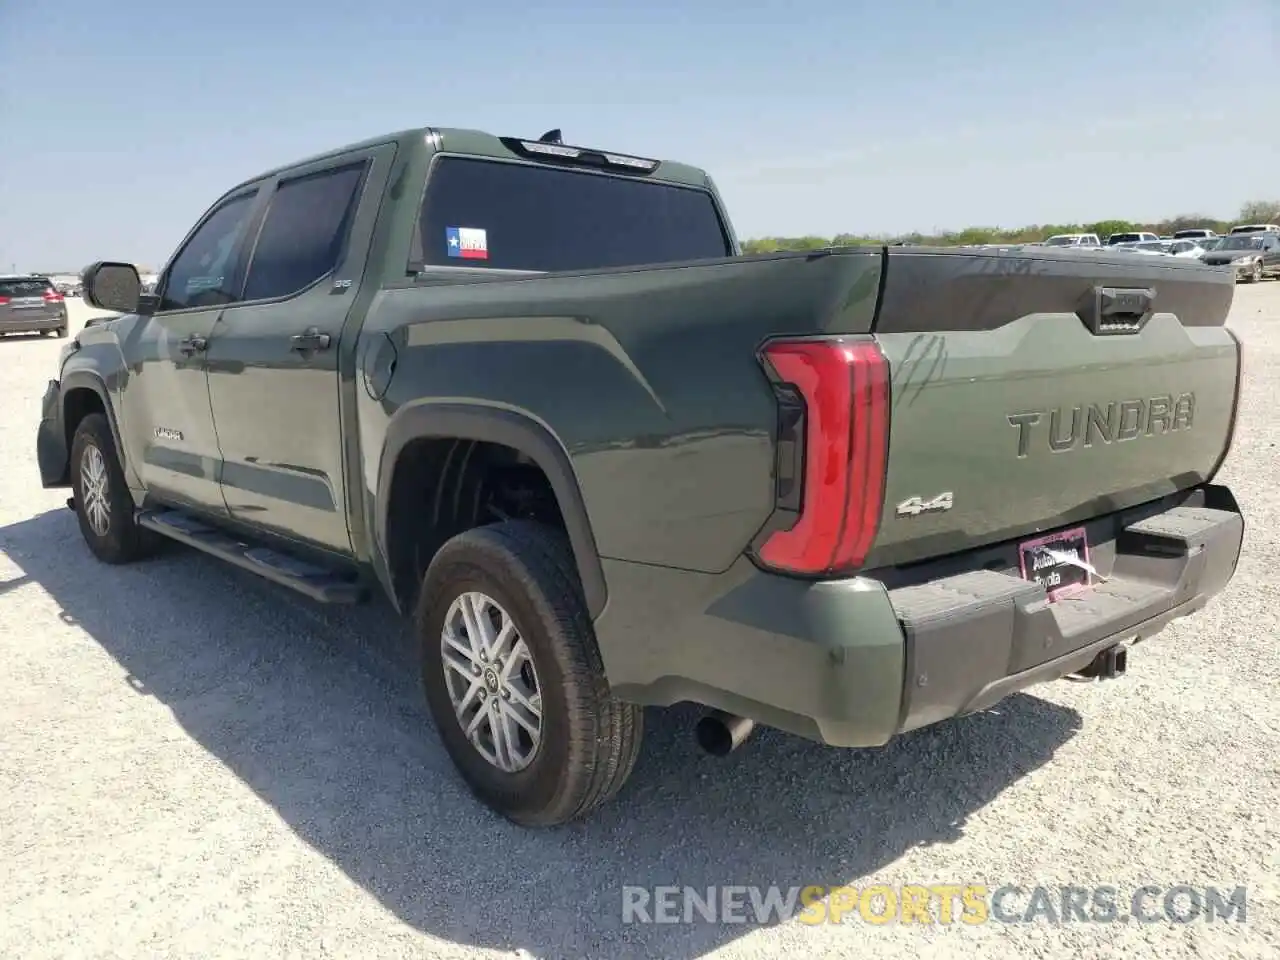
(845, 388)
(52, 296)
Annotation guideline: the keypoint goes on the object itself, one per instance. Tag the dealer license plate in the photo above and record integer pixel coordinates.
(1058, 562)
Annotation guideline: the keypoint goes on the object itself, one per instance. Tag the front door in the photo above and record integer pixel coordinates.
(273, 358)
(167, 416)
(1271, 254)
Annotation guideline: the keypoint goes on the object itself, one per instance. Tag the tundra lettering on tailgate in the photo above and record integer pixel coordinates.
(1068, 429)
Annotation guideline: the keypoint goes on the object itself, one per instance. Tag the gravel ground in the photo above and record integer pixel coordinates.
(196, 763)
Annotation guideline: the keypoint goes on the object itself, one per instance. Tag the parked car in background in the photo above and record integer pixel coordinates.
(1256, 228)
(1150, 247)
(1251, 255)
(1139, 237)
(1073, 240)
(1195, 233)
(31, 304)
(1185, 248)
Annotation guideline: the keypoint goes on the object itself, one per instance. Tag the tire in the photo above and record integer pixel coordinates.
(1256, 274)
(589, 740)
(60, 333)
(116, 537)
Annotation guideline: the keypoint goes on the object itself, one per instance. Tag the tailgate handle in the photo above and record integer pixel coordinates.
(1120, 309)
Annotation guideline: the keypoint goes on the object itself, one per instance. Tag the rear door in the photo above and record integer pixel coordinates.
(274, 358)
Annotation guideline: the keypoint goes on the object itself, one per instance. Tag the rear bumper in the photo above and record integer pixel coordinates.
(20, 324)
(855, 662)
(51, 443)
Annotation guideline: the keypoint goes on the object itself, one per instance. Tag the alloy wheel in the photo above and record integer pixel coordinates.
(93, 490)
(492, 681)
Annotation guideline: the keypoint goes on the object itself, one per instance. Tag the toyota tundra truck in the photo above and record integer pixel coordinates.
(534, 394)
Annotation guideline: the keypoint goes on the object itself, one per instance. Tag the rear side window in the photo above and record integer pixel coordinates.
(303, 233)
(25, 287)
(485, 213)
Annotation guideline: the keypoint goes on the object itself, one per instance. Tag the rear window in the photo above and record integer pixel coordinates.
(485, 213)
(24, 287)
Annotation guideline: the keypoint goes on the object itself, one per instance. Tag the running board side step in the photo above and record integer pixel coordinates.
(318, 583)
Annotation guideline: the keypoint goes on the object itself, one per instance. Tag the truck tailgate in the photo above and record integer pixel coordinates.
(1030, 391)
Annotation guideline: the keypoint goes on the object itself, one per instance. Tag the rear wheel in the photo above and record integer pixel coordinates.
(103, 503)
(514, 678)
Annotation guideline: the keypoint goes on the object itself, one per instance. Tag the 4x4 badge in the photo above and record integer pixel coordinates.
(914, 506)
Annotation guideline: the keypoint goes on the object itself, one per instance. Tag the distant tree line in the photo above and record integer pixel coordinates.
(1257, 211)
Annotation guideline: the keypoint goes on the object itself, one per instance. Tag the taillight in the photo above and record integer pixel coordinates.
(833, 437)
(3, 301)
(52, 296)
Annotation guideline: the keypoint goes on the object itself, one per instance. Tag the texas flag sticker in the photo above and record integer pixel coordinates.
(469, 243)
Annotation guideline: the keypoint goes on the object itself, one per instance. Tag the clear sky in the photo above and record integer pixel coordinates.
(121, 122)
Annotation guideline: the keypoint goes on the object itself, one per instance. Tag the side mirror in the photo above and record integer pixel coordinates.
(112, 286)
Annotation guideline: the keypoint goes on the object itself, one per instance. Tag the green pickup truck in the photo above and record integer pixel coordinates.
(535, 395)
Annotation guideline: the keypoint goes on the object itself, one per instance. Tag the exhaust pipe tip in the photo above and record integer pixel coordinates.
(720, 733)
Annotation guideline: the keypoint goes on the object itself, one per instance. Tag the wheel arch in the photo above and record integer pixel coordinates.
(509, 428)
(76, 387)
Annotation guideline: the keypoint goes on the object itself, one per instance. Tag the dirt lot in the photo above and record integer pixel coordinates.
(197, 763)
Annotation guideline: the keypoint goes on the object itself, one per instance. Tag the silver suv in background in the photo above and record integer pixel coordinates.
(31, 304)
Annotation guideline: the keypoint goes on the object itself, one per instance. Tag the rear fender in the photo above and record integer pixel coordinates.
(511, 429)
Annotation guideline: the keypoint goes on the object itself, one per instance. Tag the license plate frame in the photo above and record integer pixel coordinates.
(1059, 577)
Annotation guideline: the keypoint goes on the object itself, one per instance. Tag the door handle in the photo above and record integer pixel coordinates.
(312, 339)
(190, 345)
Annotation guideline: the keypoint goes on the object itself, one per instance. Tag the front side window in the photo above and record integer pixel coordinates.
(513, 216)
(303, 232)
(203, 273)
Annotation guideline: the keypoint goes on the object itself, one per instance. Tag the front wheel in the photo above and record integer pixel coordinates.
(1255, 275)
(514, 679)
(103, 503)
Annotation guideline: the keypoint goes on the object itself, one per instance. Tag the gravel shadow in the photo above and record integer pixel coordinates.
(319, 711)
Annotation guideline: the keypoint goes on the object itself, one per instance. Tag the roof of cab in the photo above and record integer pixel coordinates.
(476, 143)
